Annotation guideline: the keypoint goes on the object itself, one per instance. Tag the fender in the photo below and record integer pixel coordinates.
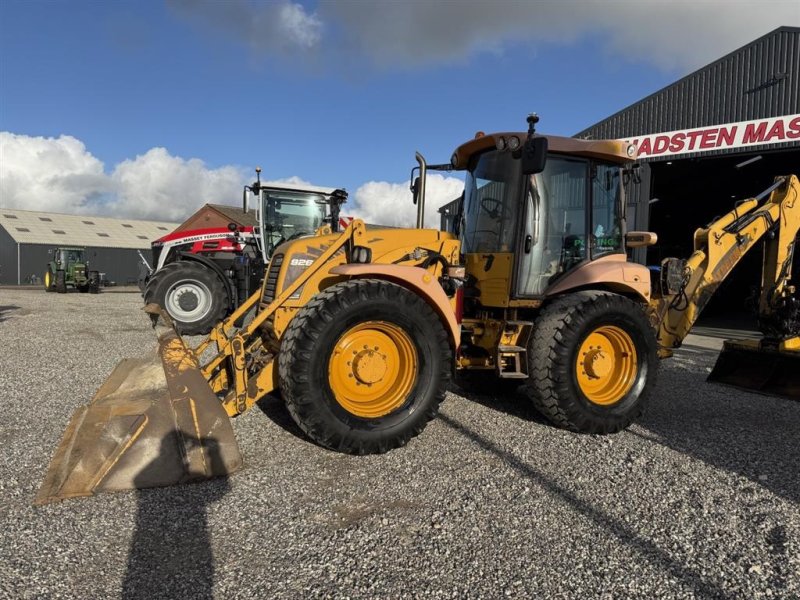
(415, 279)
(613, 272)
(226, 281)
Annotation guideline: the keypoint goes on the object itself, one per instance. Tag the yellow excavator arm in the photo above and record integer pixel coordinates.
(687, 286)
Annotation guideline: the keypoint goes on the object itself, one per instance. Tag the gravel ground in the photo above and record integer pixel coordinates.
(697, 500)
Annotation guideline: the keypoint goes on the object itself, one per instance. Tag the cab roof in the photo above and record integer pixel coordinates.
(616, 151)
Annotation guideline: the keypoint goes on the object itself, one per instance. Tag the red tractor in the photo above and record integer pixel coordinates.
(203, 275)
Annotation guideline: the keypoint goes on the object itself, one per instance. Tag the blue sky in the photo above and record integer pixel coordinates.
(333, 93)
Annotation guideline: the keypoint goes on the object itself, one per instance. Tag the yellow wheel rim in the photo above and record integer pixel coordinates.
(372, 369)
(606, 365)
(47, 279)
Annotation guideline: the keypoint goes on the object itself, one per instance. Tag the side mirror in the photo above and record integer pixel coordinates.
(415, 190)
(534, 155)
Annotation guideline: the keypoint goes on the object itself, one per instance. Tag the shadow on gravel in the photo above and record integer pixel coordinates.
(170, 555)
(702, 587)
(5, 311)
(761, 447)
(504, 398)
(749, 434)
(275, 410)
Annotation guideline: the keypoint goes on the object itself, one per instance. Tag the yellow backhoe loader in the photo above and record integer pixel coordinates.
(361, 330)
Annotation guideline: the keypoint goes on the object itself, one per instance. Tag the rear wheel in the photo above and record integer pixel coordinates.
(364, 366)
(94, 282)
(61, 282)
(193, 296)
(592, 362)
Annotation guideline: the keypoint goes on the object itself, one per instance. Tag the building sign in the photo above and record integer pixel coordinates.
(773, 130)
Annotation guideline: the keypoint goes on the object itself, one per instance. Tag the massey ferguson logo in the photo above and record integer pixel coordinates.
(301, 262)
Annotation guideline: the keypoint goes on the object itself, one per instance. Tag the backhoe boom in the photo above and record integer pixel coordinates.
(719, 247)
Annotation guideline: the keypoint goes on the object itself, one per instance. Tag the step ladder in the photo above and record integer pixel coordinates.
(511, 362)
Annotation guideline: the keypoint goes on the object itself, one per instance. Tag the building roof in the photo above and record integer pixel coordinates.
(756, 81)
(235, 214)
(33, 227)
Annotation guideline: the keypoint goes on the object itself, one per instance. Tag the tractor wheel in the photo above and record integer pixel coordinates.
(193, 296)
(364, 366)
(61, 282)
(592, 362)
(94, 282)
(49, 281)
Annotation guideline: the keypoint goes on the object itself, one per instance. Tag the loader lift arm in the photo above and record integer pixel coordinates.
(718, 248)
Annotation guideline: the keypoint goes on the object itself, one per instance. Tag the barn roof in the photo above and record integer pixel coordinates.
(33, 227)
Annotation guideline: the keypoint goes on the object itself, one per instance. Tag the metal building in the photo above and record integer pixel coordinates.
(27, 239)
(719, 135)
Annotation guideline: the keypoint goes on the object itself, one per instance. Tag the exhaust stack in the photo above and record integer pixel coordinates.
(420, 190)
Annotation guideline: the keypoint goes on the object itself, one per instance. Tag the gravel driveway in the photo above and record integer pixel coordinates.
(699, 499)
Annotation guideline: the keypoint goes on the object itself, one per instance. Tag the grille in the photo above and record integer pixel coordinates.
(272, 279)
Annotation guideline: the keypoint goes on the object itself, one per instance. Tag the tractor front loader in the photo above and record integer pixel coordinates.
(360, 331)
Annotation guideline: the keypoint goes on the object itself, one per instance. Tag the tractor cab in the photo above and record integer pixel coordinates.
(526, 222)
(70, 258)
(288, 211)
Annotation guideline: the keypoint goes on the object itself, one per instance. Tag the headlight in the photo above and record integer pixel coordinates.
(500, 143)
(513, 143)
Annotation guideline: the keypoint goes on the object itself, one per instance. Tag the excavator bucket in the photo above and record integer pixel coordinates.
(154, 422)
(748, 365)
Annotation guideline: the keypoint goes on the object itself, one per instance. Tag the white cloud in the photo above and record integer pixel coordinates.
(61, 175)
(384, 203)
(157, 183)
(50, 174)
(278, 26)
(666, 33)
(681, 34)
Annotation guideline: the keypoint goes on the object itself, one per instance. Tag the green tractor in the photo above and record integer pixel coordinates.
(70, 267)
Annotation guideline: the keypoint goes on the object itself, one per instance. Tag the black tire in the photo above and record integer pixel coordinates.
(193, 295)
(94, 282)
(49, 281)
(558, 334)
(61, 282)
(308, 345)
(83, 288)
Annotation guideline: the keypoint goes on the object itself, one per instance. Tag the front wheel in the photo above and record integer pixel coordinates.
(364, 366)
(61, 282)
(592, 362)
(192, 294)
(49, 281)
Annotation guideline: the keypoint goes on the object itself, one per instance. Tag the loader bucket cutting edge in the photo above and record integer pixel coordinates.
(154, 422)
(766, 371)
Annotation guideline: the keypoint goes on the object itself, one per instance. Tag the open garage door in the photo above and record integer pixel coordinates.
(690, 193)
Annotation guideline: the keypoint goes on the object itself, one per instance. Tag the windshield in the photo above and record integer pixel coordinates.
(491, 203)
(287, 215)
(70, 256)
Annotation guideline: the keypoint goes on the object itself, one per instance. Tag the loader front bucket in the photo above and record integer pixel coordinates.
(749, 365)
(154, 422)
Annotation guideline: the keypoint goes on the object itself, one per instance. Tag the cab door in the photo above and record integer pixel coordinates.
(555, 224)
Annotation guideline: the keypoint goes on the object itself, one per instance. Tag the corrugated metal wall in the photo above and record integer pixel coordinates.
(120, 265)
(758, 81)
(8, 258)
